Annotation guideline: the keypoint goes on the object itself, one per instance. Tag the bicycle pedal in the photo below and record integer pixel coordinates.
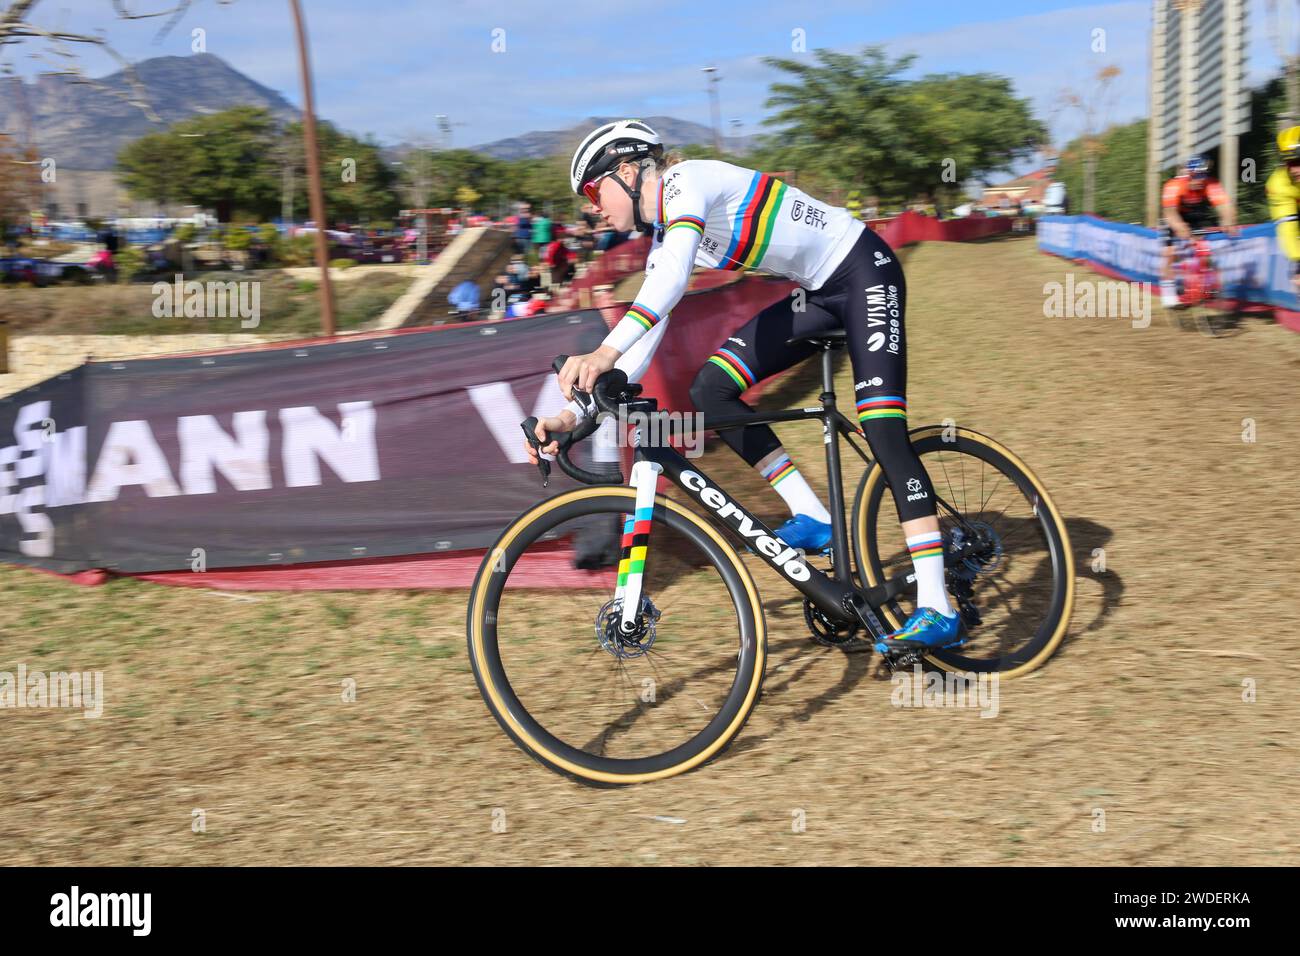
(904, 659)
(905, 654)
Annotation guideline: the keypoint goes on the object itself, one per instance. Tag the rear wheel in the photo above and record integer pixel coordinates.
(1007, 555)
(1208, 321)
(577, 694)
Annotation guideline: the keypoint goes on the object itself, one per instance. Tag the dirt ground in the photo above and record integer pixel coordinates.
(1134, 745)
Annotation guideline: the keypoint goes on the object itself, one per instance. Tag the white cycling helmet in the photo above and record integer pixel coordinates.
(606, 146)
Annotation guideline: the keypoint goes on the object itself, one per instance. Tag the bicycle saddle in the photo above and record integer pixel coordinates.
(827, 339)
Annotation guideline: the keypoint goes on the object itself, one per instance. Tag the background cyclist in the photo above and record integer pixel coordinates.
(1191, 200)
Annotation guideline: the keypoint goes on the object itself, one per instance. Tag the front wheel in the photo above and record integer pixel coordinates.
(1007, 560)
(577, 692)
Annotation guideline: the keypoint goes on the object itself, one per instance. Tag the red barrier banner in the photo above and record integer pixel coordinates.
(910, 227)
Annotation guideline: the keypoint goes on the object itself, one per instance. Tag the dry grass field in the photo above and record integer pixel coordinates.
(231, 704)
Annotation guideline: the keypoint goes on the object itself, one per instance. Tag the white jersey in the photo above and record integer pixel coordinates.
(721, 216)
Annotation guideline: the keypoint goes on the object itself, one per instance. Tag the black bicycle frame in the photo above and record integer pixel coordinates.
(836, 597)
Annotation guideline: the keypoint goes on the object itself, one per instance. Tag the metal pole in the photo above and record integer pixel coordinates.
(1159, 89)
(712, 73)
(1229, 170)
(315, 193)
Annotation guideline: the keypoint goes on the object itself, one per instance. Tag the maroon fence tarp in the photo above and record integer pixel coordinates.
(322, 452)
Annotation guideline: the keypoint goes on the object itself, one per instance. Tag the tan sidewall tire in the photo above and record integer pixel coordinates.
(492, 694)
(877, 475)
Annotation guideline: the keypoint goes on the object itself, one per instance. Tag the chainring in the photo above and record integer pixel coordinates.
(826, 632)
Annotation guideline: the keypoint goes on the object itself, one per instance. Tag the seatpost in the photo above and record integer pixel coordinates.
(839, 537)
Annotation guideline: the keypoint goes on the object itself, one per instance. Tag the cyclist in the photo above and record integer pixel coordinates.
(1283, 190)
(723, 216)
(1188, 201)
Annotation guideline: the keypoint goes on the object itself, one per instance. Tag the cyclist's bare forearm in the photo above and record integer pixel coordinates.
(1176, 223)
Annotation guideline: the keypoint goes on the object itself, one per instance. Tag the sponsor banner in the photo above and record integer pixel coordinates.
(352, 449)
(42, 474)
(909, 227)
(1253, 268)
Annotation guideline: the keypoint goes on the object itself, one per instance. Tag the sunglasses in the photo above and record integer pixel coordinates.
(592, 189)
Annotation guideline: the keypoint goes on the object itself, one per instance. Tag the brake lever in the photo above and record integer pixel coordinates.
(529, 425)
(584, 399)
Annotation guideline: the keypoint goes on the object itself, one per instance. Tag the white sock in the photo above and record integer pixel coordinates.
(1168, 292)
(791, 486)
(927, 558)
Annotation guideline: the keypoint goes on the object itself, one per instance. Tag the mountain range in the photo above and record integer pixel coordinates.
(84, 125)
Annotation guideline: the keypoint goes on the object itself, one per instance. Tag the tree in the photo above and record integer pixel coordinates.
(841, 119)
(975, 123)
(1094, 105)
(1120, 172)
(854, 122)
(222, 161)
(19, 184)
(359, 185)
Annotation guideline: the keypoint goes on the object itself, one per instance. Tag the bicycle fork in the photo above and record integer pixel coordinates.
(636, 538)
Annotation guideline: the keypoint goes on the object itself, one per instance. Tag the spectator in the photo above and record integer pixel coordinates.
(514, 308)
(108, 239)
(501, 290)
(464, 298)
(558, 259)
(584, 240)
(523, 306)
(533, 281)
(541, 231)
(523, 230)
(607, 239)
(519, 272)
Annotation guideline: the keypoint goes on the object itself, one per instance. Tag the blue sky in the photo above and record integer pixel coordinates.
(386, 67)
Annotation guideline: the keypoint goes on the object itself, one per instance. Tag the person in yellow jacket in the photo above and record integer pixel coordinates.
(1283, 189)
(854, 204)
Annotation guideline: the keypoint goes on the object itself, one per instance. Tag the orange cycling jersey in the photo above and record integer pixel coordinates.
(1188, 193)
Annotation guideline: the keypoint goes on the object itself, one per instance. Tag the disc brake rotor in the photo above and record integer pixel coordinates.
(623, 644)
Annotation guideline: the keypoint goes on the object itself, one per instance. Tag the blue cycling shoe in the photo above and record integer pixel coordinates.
(926, 630)
(806, 533)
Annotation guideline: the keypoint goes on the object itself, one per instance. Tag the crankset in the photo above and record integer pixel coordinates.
(831, 633)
